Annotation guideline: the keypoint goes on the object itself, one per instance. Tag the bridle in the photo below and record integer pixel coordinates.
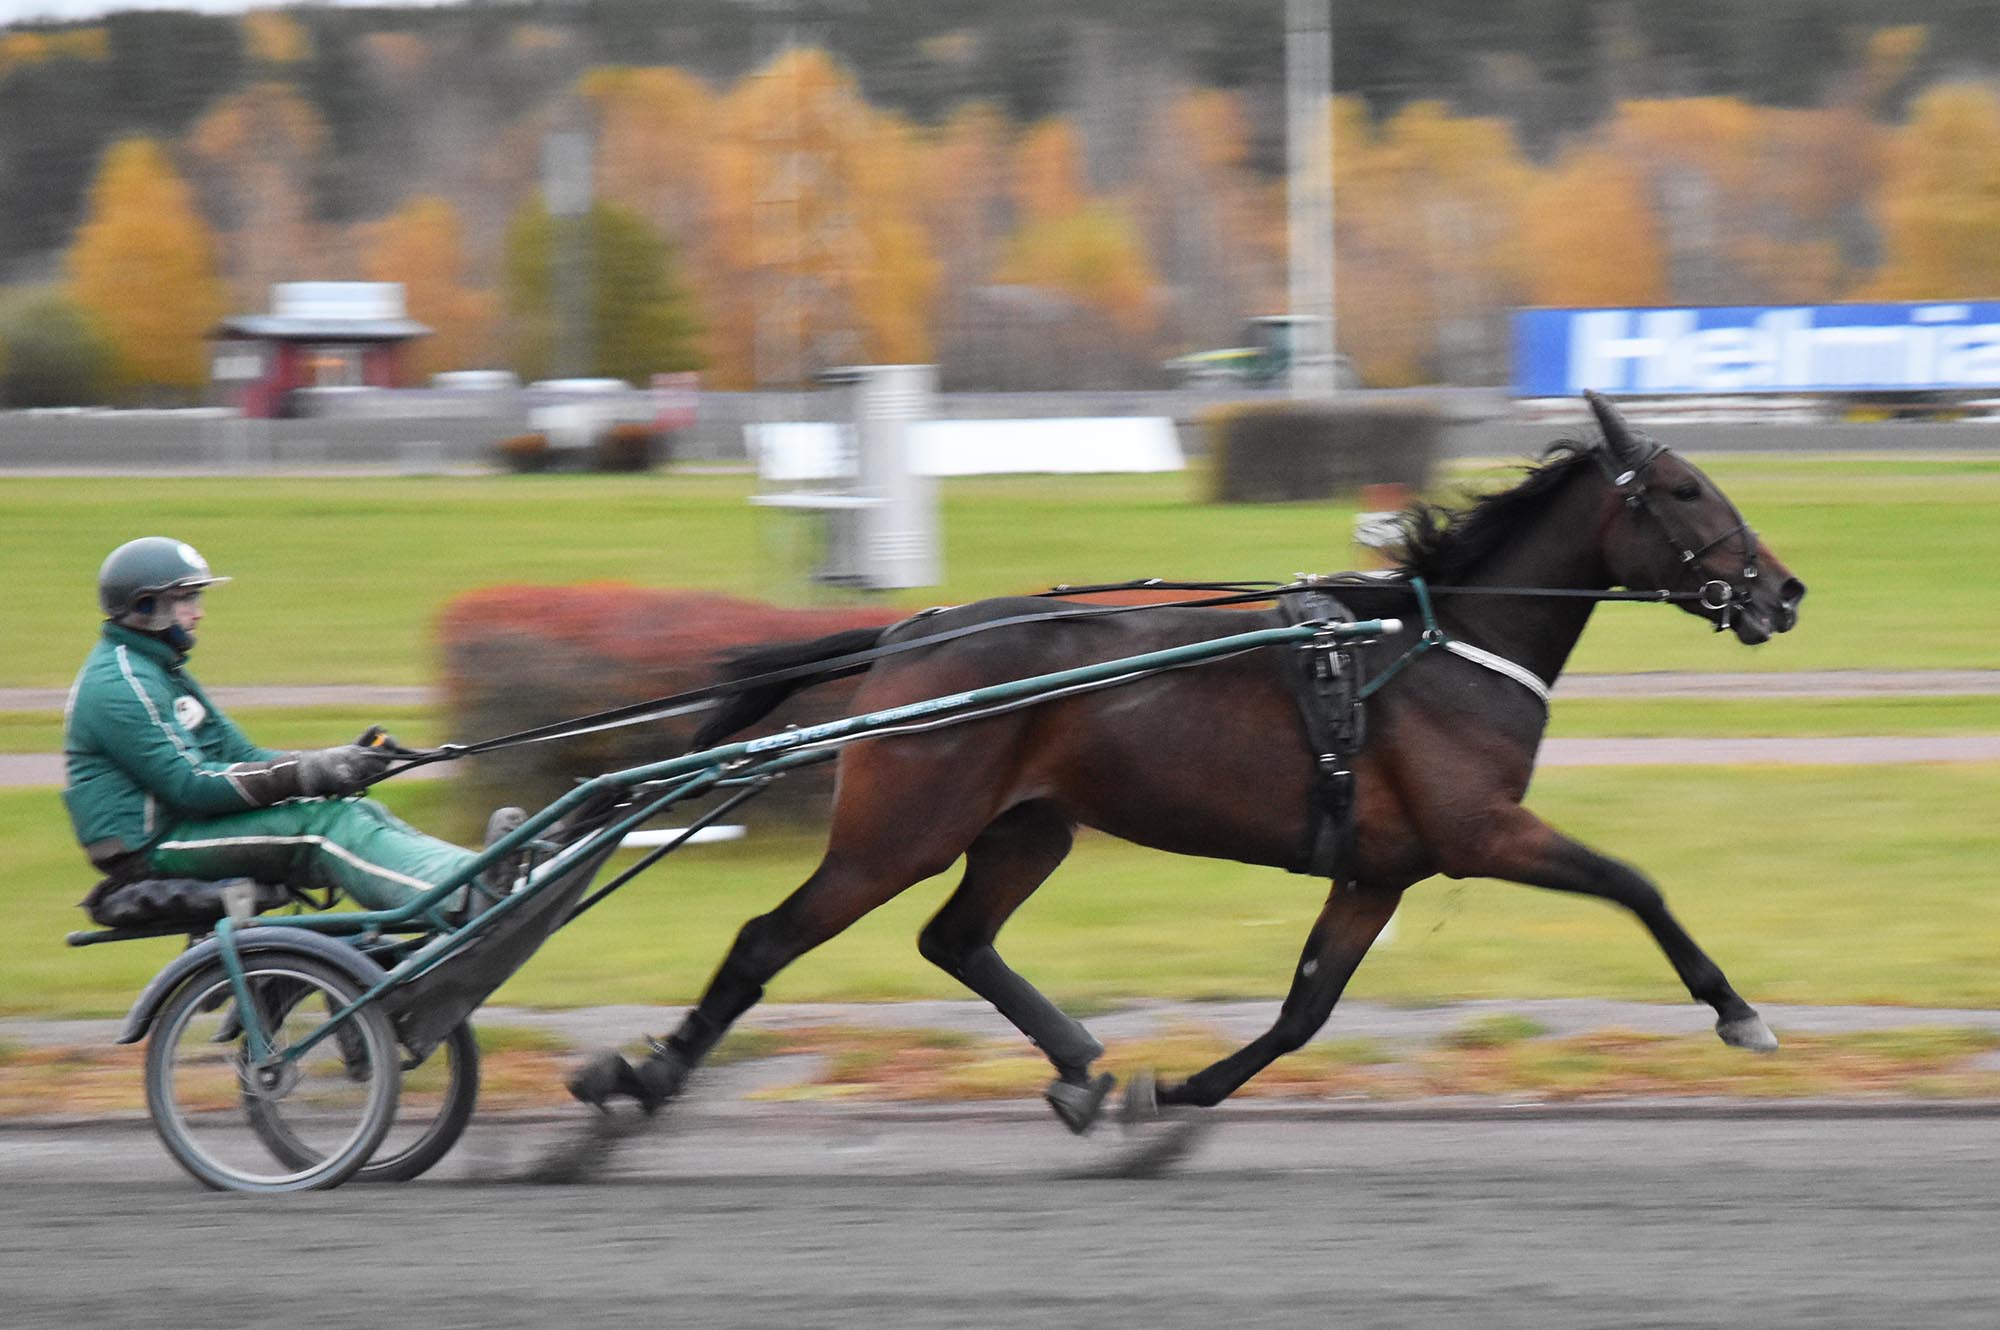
(1718, 595)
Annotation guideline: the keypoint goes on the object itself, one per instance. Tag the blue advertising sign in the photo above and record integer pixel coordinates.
(1751, 349)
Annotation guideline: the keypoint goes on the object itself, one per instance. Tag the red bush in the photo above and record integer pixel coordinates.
(517, 657)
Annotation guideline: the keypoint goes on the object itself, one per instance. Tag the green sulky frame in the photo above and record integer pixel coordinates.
(745, 767)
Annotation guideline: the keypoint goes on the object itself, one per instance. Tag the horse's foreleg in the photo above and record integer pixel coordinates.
(1528, 850)
(1347, 927)
(1003, 867)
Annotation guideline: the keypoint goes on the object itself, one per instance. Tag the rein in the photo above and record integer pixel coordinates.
(707, 696)
(1715, 595)
(1232, 593)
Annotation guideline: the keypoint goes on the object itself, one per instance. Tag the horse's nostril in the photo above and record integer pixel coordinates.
(1793, 591)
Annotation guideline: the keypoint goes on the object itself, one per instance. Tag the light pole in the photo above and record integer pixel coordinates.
(566, 194)
(1309, 193)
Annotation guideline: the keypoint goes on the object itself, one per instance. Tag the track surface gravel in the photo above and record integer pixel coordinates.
(821, 1219)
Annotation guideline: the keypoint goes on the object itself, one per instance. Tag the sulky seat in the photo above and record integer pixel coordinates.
(173, 904)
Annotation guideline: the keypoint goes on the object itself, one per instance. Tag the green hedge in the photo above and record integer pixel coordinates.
(1274, 452)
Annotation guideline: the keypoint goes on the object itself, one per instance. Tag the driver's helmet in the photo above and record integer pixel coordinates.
(134, 575)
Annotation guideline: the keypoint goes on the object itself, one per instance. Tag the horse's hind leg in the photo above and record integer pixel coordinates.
(875, 854)
(1348, 925)
(1012, 857)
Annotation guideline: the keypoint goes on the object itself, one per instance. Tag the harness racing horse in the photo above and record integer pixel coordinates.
(1216, 761)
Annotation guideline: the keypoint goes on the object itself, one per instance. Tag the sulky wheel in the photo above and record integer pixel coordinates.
(437, 1100)
(216, 1113)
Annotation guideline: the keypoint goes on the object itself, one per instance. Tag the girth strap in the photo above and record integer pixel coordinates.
(1325, 680)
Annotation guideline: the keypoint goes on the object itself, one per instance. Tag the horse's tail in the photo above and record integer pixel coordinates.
(743, 709)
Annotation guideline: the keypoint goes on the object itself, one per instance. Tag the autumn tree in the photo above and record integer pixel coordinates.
(29, 48)
(1429, 242)
(1048, 171)
(1094, 255)
(142, 270)
(1591, 236)
(963, 192)
(1214, 225)
(274, 37)
(1826, 167)
(965, 209)
(422, 246)
(257, 155)
(655, 129)
(1940, 202)
(1734, 220)
(640, 319)
(819, 256)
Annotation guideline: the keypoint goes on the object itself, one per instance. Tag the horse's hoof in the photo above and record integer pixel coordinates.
(1080, 1106)
(603, 1078)
(660, 1078)
(1141, 1103)
(1748, 1032)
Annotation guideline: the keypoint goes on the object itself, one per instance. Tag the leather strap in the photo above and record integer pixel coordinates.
(1325, 682)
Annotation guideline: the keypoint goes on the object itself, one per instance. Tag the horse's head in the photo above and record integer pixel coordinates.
(1673, 530)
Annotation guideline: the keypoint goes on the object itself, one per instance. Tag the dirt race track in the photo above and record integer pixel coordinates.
(800, 1217)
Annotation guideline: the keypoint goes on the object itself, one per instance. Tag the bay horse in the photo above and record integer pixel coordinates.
(1215, 760)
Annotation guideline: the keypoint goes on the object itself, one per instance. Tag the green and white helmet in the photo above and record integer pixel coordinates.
(134, 575)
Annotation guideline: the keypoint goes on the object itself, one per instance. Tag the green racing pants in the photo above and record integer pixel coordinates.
(353, 846)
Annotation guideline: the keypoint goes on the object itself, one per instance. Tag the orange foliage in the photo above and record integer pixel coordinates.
(1940, 206)
(1592, 237)
(274, 37)
(655, 131)
(1428, 215)
(1215, 226)
(1093, 255)
(1048, 172)
(963, 190)
(29, 48)
(258, 151)
(814, 194)
(143, 268)
(422, 246)
(1746, 195)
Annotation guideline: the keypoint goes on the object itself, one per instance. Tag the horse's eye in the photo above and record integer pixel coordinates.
(1687, 491)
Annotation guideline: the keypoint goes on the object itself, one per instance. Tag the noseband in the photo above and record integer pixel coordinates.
(1717, 594)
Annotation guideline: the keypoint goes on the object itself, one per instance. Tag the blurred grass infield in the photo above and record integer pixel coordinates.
(525, 1069)
(1807, 884)
(339, 580)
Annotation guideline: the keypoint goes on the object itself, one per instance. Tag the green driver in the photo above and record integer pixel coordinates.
(160, 783)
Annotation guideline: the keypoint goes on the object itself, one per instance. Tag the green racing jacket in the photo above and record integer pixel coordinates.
(144, 747)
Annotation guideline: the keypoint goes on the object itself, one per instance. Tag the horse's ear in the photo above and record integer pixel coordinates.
(1618, 435)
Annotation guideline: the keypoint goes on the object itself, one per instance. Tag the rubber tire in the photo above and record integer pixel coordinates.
(192, 997)
(461, 1046)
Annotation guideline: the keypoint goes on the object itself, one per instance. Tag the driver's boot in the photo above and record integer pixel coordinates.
(500, 878)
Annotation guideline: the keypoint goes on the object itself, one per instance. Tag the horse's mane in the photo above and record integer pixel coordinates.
(1441, 544)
